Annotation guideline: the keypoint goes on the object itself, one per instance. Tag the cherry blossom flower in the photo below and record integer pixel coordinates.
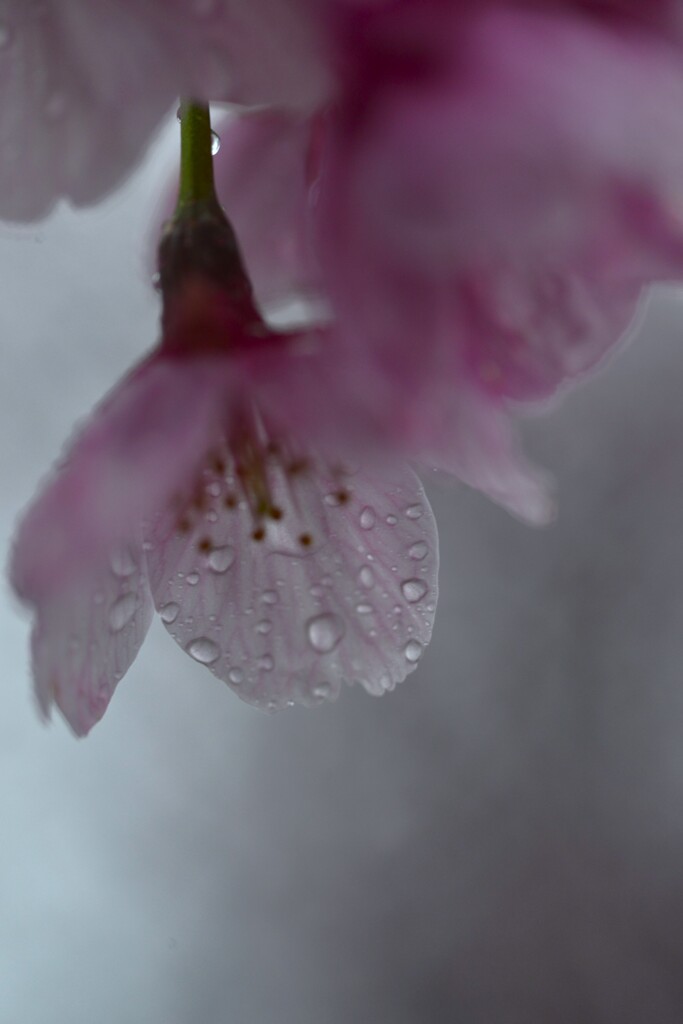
(481, 209)
(84, 85)
(202, 486)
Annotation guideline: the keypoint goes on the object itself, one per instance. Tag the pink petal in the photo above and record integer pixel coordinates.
(475, 441)
(284, 623)
(139, 449)
(262, 180)
(83, 86)
(504, 149)
(86, 637)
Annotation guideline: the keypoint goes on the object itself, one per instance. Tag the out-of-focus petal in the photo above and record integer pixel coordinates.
(86, 637)
(342, 587)
(263, 182)
(474, 440)
(83, 85)
(137, 452)
(519, 142)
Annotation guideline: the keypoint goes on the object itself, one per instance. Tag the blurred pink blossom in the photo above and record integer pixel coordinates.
(84, 86)
(480, 208)
(202, 486)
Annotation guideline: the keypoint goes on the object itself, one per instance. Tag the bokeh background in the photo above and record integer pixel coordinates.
(500, 841)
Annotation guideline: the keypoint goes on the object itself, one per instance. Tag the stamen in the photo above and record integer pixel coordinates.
(205, 546)
(275, 512)
(305, 540)
(258, 534)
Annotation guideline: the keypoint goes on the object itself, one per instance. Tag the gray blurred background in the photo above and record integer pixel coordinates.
(498, 842)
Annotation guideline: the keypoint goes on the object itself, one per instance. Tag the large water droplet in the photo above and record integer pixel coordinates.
(220, 559)
(325, 632)
(236, 676)
(414, 511)
(169, 612)
(203, 650)
(122, 611)
(366, 577)
(193, 578)
(413, 651)
(368, 517)
(418, 551)
(215, 142)
(413, 590)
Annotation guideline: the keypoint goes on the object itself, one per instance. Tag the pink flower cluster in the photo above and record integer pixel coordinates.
(475, 193)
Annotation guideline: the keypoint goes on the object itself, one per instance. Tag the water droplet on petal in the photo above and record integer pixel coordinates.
(220, 559)
(364, 609)
(215, 142)
(413, 590)
(322, 691)
(122, 611)
(269, 597)
(123, 563)
(193, 578)
(366, 577)
(264, 626)
(236, 676)
(368, 518)
(169, 612)
(325, 632)
(414, 511)
(391, 520)
(203, 650)
(266, 663)
(413, 651)
(418, 551)
(387, 683)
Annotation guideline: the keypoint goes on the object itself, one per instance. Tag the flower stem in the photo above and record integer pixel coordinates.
(196, 159)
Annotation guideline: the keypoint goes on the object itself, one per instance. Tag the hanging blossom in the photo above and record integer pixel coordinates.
(480, 207)
(205, 485)
(84, 85)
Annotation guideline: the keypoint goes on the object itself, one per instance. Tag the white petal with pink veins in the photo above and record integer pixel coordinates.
(340, 588)
(86, 638)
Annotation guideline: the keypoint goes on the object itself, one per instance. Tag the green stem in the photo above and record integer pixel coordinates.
(196, 159)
